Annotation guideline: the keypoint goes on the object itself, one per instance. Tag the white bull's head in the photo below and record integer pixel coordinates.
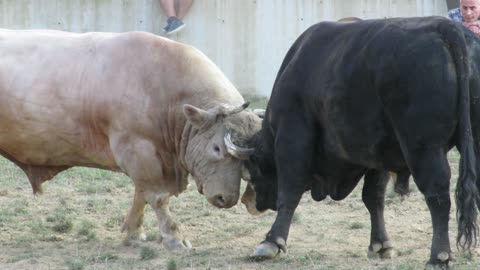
(213, 163)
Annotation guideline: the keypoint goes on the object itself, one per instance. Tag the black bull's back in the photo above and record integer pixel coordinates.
(349, 82)
(360, 99)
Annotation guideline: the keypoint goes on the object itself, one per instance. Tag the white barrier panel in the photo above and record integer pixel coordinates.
(247, 39)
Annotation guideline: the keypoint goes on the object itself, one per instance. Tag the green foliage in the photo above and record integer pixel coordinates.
(61, 223)
(296, 218)
(105, 257)
(75, 264)
(61, 220)
(357, 225)
(148, 253)
(172, 265)
(39, 228)
(20, 257)
(86, 229)
(152, 236)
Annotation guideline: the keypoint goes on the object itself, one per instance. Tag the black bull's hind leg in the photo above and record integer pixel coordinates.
(435, 186)
(373, 196)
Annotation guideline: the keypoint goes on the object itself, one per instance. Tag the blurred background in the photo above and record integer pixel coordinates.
(247, 39)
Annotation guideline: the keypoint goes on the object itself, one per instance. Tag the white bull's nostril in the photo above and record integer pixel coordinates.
(219, 201)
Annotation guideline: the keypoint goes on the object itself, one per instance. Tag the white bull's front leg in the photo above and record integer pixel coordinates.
(139, 159)
(169, 231)
(133, 223)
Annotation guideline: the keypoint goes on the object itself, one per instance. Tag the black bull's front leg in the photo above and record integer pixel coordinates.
(277, 236)
(293, 157)
(373, 196)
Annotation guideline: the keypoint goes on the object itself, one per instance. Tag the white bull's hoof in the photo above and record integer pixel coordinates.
(133, 237)
(266, 251)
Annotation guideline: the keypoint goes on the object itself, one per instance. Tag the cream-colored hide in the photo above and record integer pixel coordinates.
(149, 107)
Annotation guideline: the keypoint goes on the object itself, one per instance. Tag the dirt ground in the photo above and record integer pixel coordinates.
(76, 225)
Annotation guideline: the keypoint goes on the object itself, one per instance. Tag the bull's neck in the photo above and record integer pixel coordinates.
(184, 140)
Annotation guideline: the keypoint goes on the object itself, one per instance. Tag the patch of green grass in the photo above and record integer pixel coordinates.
(93, 188)
(93, 181)
(403, 266)
(6, 215)
(357, 225)
(63, 226)
(148, 253)
(62, 223)
(122, 182)
(152, 236)
(405, 252)
(104, 258)
(20, 257)
(172, 265)
(466, 261)
(14, 209)
(86, 229)
(21, 207)
(39, 228)
(115, 221)
(75, 264)
(355, 254)
(296, 219)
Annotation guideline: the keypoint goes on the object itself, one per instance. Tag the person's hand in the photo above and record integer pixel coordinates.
(473, 26)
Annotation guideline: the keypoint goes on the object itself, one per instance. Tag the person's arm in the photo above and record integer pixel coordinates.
(455, 15)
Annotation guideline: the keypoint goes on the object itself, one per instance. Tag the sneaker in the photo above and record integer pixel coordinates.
(168, 23)
(173, 25)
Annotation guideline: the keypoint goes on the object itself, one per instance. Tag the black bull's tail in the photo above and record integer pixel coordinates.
(466, 194)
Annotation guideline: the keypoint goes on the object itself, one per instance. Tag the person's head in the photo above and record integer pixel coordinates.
(470, 10)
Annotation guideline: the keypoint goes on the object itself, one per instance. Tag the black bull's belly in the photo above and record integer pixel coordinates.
(365, 98)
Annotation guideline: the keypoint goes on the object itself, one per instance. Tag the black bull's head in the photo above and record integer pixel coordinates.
(261, 191)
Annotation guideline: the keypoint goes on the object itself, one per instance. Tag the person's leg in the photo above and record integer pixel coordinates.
(168, 7)
(183, 7)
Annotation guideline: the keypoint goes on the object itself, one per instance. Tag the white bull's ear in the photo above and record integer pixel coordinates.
(196, 116)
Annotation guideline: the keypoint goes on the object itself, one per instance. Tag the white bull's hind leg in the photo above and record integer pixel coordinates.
(133, 223)
(169, 231)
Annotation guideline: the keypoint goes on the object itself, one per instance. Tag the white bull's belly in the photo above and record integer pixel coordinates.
(40, 128)
(51, 147)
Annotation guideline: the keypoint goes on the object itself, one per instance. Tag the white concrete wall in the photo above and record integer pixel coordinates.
(246, 38)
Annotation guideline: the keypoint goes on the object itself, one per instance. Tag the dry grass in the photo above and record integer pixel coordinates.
(76, 223)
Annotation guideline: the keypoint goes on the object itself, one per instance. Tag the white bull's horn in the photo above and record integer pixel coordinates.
(237, 109)
(236, 151)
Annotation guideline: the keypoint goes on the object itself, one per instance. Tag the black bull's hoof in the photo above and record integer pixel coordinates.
(380, 250)
(441, 263)
(268, 250)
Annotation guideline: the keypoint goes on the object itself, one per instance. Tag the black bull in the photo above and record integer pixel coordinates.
(360, 99)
